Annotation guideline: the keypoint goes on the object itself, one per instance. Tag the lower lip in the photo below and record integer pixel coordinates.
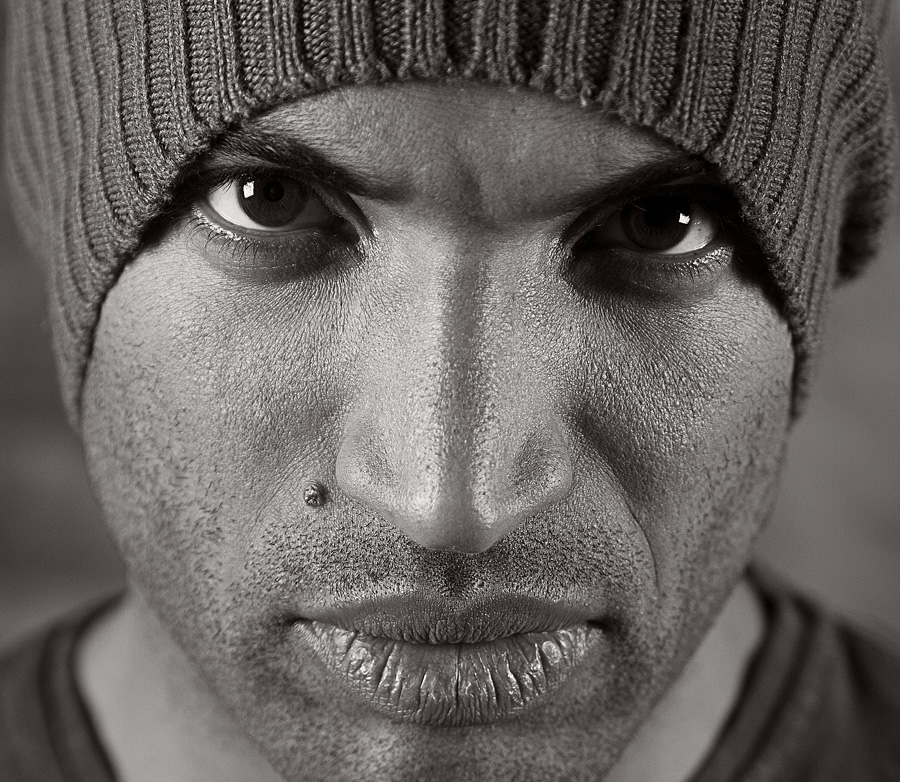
(451, 685)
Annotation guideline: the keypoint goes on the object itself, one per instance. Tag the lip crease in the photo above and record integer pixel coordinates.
(440, 662)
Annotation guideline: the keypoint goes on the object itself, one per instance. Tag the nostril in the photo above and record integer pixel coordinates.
(362, 470)
(542, 472)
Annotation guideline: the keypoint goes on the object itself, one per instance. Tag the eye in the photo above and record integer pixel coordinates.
(268, 203)
(662, 225)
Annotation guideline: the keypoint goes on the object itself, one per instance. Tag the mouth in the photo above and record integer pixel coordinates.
(434, 663)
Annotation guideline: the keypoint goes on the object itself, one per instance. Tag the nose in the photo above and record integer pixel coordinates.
(453, 439)
(447, 491)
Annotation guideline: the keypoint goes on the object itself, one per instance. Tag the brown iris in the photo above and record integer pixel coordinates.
(657, 223)
(272, 201)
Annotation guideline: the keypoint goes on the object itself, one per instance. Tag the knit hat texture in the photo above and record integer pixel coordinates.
(108, 101)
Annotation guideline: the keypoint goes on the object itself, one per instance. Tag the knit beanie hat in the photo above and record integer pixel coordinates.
(108, 102)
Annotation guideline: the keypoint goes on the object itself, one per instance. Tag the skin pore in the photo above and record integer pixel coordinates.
(146, 695)
(509, 403)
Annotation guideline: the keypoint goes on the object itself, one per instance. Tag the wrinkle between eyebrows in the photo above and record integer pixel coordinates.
(358, 156)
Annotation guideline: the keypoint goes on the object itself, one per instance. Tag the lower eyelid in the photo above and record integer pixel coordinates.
(260, 257)
(710, 252)
(687, 266)
(238, 234)
(679, 278)
(303, 249)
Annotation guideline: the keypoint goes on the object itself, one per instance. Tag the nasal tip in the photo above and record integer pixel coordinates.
(451, 506)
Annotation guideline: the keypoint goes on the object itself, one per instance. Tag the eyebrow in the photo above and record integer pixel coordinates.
(253, 145)
(665, 169)
(250, 145)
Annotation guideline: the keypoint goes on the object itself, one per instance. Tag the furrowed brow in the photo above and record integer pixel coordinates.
(253, 146)
(641, 178)
(256, 147)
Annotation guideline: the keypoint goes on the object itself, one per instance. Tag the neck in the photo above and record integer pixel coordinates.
(678, 735)
(144, 694)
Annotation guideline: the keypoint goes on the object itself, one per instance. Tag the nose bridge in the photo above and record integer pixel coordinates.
(453, 441)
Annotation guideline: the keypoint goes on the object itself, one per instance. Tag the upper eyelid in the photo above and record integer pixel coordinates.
(703, 191)
(692, 190)
(209, 177)
(285, 152)
(261, 152)
(717, 198)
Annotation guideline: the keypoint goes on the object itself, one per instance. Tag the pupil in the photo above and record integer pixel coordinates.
(272, 202)
(273, 190)
(657, 223)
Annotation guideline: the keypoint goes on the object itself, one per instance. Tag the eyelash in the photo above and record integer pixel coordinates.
(654, 274)
(272, 256)
(668, 276)
(249, 252)
(277, 256)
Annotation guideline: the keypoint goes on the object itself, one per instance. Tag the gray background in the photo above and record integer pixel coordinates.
(836, 531)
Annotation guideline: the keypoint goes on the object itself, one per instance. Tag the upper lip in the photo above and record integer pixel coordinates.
(435, 619)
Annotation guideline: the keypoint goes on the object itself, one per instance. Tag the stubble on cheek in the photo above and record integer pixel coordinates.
(295, 705)
(225, 571)
(695, 411)
(678, 441)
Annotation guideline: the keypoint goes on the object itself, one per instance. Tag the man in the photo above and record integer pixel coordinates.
(434, 365)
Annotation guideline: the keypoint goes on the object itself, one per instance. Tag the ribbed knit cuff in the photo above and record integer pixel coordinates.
(108, 100)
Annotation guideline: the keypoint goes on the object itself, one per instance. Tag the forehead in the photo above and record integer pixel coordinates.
(422, 140)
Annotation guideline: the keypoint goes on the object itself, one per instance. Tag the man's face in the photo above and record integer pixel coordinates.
(511, 340)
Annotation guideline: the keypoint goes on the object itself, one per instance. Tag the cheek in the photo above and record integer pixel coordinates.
(199, 408)
(685, 411)
(208, 408)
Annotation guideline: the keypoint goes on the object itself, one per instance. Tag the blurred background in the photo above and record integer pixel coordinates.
(836, 531)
